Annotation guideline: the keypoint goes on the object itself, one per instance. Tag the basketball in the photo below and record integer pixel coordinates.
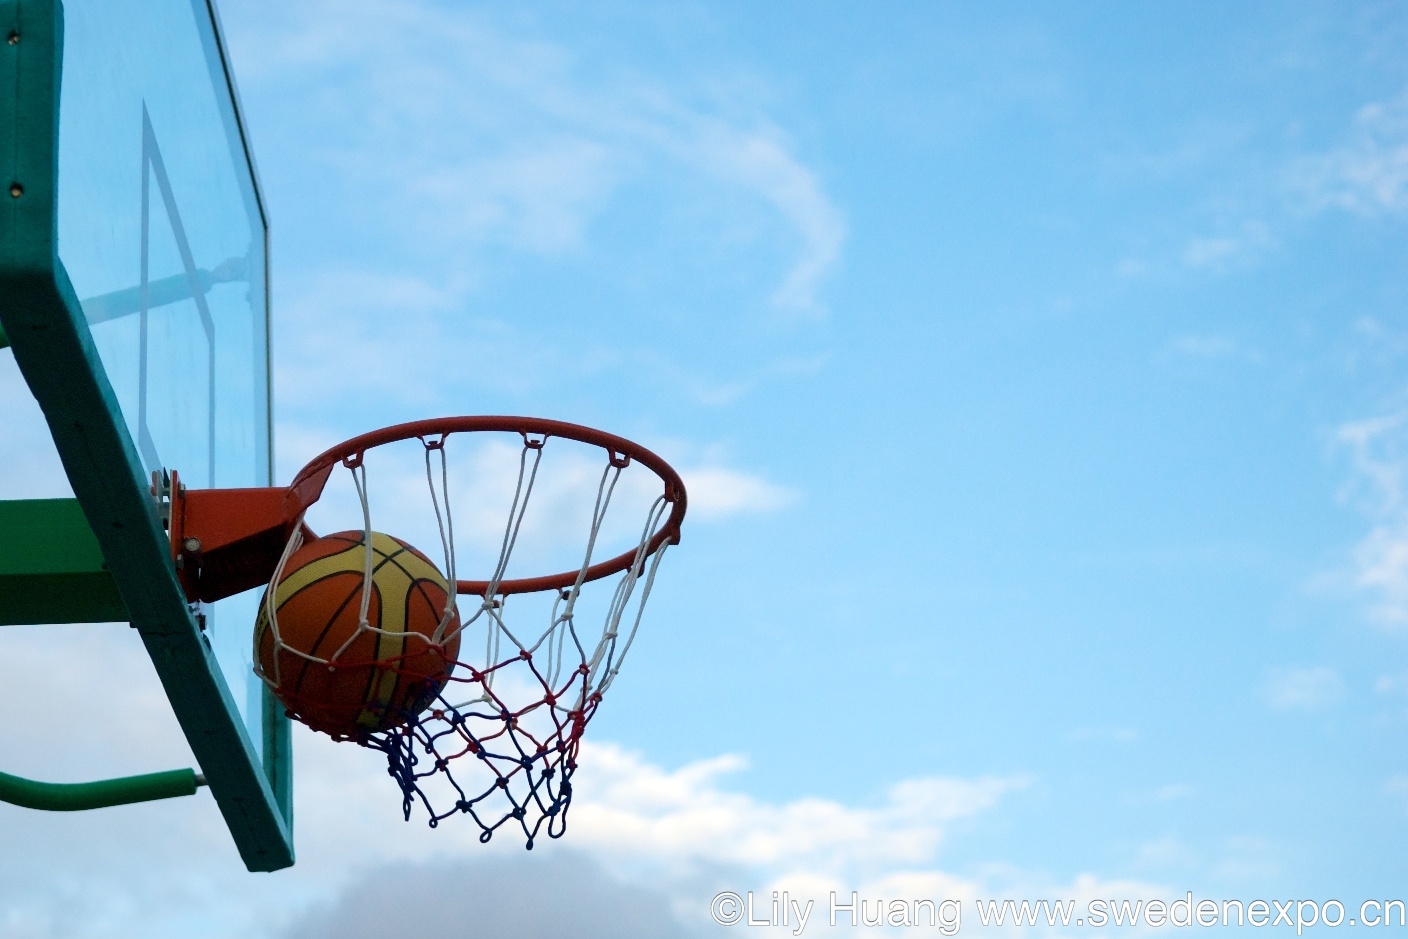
(331, 674)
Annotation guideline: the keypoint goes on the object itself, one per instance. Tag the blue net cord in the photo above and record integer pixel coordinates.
(486, 761)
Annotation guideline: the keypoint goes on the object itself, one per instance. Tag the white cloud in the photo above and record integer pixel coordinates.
(1365, 172)
(671, 836)
(1368, 174)
(1382, 561)
(1303, 689)
(718, 492)
(683, 831)
(687, 817)
(87, 705)
(1373, 447)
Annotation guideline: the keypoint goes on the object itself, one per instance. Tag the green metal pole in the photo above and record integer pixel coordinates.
(74, 797)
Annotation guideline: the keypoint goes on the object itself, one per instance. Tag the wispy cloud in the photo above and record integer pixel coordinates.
(1102, 734)
(386, 346)
(1164, 852)
(350, 336)
(1303, 689)
(1173, 791)
(1257, 199)
(540, 198)
(1397, 787)
(1380, 559)
(1392, 684)
(1367, 173)
(1212, 349)
(468, 134)
(761, 160)
(1221, 251)
(682, 372)
(1205, 347)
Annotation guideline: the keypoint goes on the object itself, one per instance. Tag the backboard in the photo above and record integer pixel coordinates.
(135, 299)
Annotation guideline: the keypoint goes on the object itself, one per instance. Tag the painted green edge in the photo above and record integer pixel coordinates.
(52, 569)
(76, 797)
(33, 599)
(278, 755)
(54, 349)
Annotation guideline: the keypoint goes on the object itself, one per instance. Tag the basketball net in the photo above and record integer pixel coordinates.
(499, 743)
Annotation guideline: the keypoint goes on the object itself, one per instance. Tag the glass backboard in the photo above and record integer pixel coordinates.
(151, 351)
(161, 231)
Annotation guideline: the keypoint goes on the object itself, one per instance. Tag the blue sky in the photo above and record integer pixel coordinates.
(1037, 372)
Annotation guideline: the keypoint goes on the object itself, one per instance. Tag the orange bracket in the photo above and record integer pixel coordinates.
(227, 541)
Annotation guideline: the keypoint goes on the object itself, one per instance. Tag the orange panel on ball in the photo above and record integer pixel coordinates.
(333, 672)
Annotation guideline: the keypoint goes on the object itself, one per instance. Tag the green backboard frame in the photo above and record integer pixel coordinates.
(54, 348)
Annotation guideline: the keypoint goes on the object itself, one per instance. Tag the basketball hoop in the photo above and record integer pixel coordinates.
(492, 727)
